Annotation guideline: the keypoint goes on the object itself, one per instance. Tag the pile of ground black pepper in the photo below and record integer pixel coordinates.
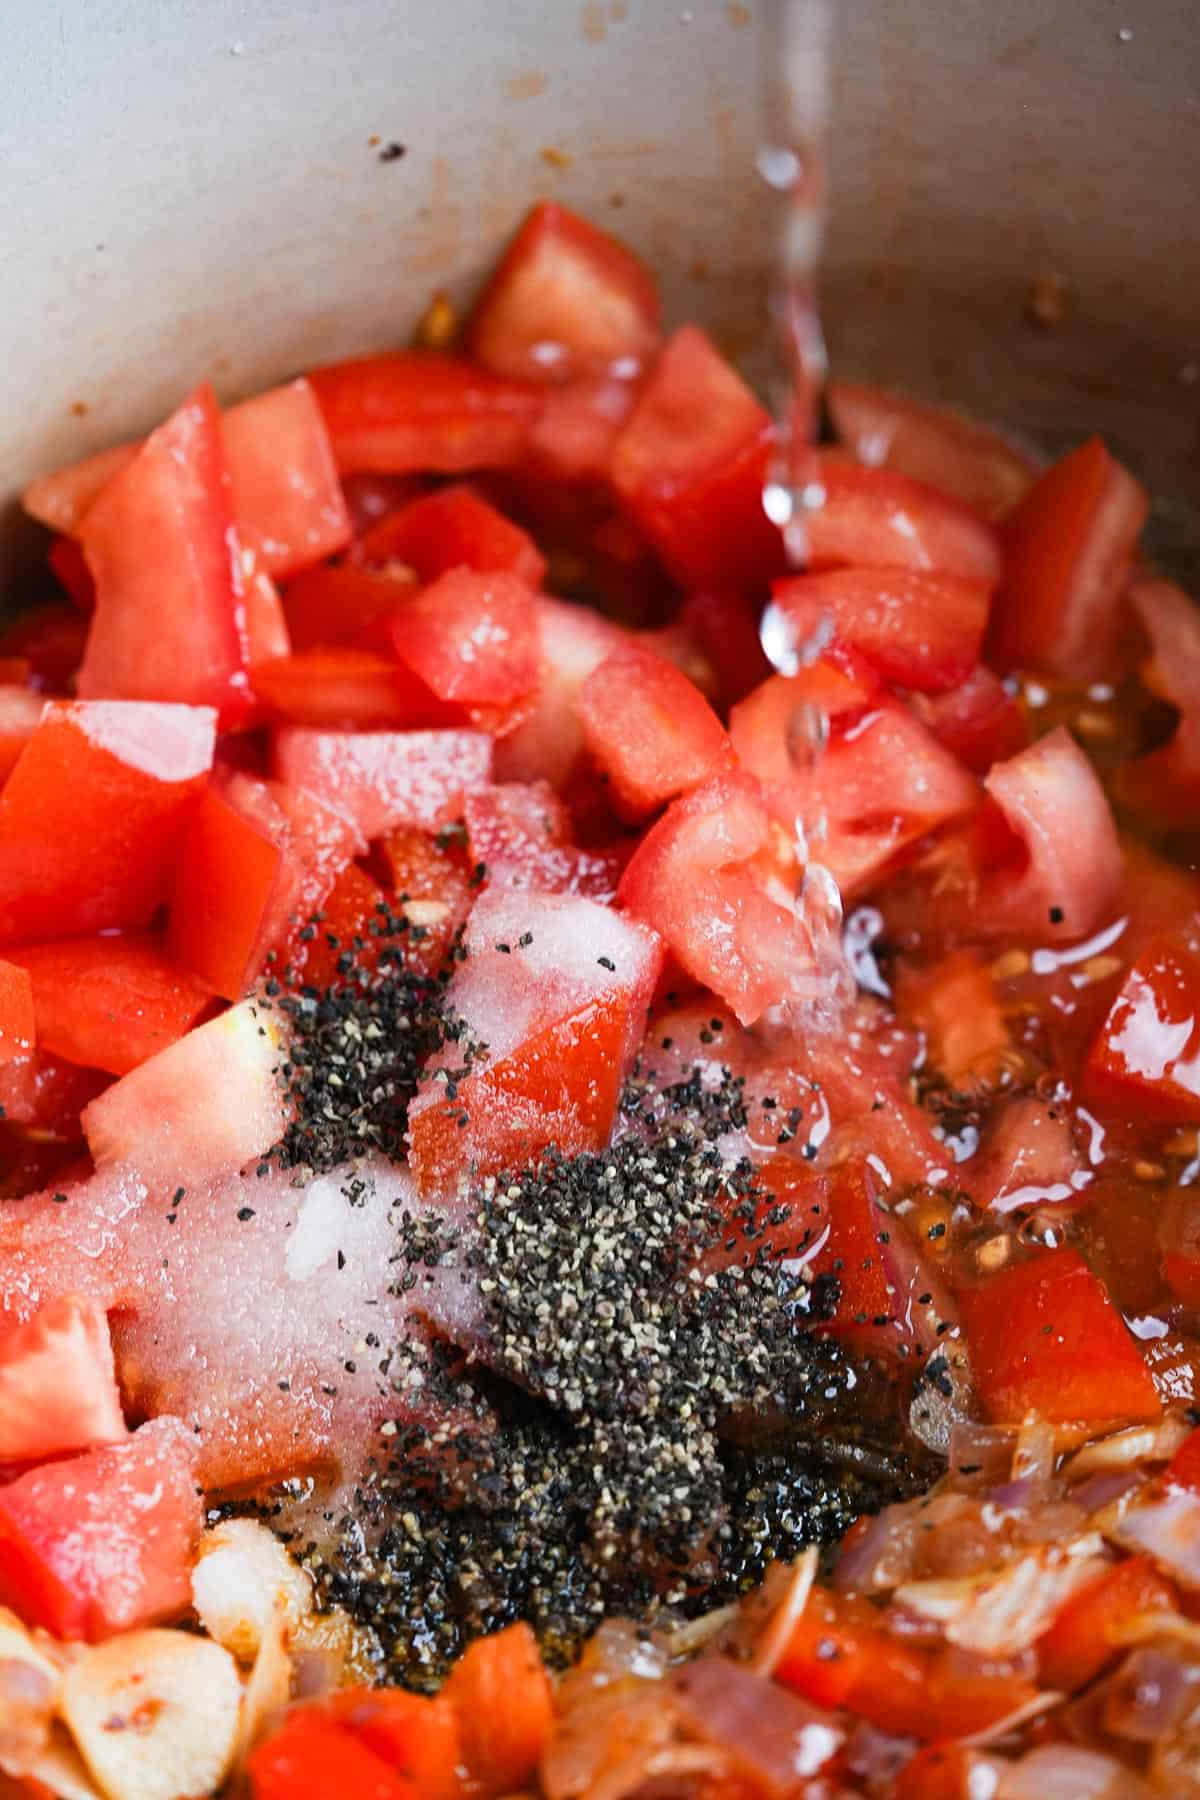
(649, 1422)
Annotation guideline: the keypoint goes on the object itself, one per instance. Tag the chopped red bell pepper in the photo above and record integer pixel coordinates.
(58, 1383)
(505, 1705)
(1086, 1635)
(690, 465)
(418, 1736)
(419, 410)
(564, 301)
(170, 619)
(453, 528)
(1045, 1337)
(1067, 552)
(91, 816)
(103, 1542)
(110, 1002)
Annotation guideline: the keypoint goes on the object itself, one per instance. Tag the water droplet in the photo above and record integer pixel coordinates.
(1125, 35)
(779, 166)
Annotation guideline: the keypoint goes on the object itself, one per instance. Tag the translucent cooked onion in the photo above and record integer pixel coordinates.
(981, 1455)
(609, 1737)
(1150, 1695)
(1167, 1529)
(788, 1609)
(1004, 1611)
(768, 1733)
(883, 1556)
(1127, 1449)
(1067, 1772)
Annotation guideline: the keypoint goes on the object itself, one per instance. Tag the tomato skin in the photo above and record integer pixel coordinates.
(1067, 551)
(267, 635)
(287, 500)
(312, 1755)
(929, 444)
(565, 300)
(1147, 1052)
(954, 1003)
(920, 629)
(382, 779)
(1086, 1635)
(649, 729)
(170, 620)
(725, 626)
(61, 498)
(452, 528)
(43, 1094)
(938, 1772)
(102, 1542)
(414, 411)
(1044, 1336)
(521, 833)
(18, 1025)
(58, 1384)
(1165, 784)
(505, 1707)
(91, 816)
(51, 639)
(69, 567)
(227, 873)
(110, 1002)
(690, 464)
(874, 518)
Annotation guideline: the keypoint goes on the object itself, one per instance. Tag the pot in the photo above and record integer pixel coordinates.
(242, 188)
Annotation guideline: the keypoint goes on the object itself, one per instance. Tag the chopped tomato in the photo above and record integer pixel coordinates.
(876, 519)
(52, 640)
(690, 465)
(565, 300)
(103, 1542)
(1183, 1470)
(471, 638)
(968, 461)
(548, 744)
(91, 816)
(345, 605)
(519, 833)
(61, 499)
(649, 729)
(979, 721)
(505, 1708)
(20, 715)
(381, 779)
(571, 446)
(1045, 1337)
(287, 500)
(1165, 784)
(1065, 877)
(920, 629)
(694, 877)
(1067, 551)
(726, 628)
(70, 569)
(214, 1095)
(17, 1019)
(267, 635)
(1086, 1635)
(418, 410)
(556, 988)
(839, 1654)
(431, 889)
(170, 621)
(45, 1095)
(313, 1756)
(110, 1002)
(346, 920)
(849, 1250)
(938, 1772)
(954, 1003)
(417, 1736)
(58, 1384)
(451, 529)
(228, 872)
(857, 810)
(1146, 1057)
(339, 688)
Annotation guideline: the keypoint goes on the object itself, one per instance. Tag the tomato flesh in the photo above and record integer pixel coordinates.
(419, 410)
(1147, 1053)
(451, 529)
(110, 1002)
(648, 729)
(920, 629)
(102, 1542)
(287, 501)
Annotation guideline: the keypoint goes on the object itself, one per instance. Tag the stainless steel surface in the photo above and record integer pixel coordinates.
(191, 189)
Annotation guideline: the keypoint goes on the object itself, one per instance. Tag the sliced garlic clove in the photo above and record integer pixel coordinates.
(242, 1578)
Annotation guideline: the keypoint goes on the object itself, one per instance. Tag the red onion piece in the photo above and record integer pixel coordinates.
(1168, 1530)
(883, 1556)
(772, 1736)
(1067, 1772)
(1150, 1695)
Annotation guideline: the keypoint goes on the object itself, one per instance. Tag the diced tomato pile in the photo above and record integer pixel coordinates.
(498, 639)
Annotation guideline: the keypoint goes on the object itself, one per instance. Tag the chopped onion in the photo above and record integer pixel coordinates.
(1150, 1695)
(634, 1715)
(980, 1455)
(1066, 1772)
(1126, 1449)
(1168, 1530)
(1013, 1721)
(1004, 1611)
(883, 1556)
(61, 1769)
(693, 1763)
(1034, 1455)
(777, 1635)
(768, 1733)
(268, 1688)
